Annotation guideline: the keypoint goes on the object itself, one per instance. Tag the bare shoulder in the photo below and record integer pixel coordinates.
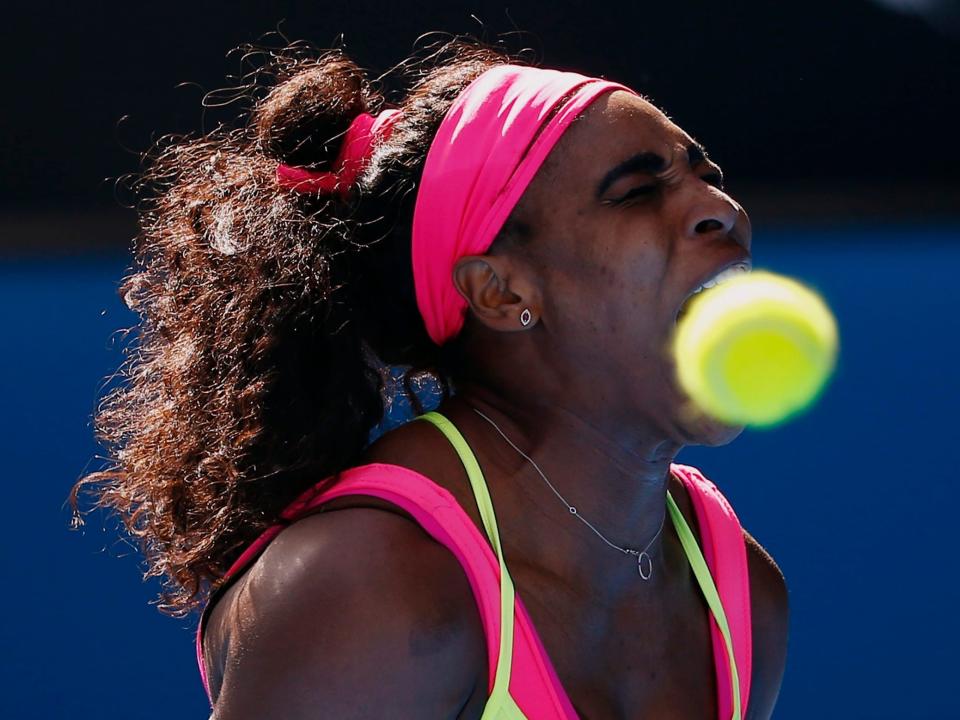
(354, 610)
(769, 607)
(420, 446)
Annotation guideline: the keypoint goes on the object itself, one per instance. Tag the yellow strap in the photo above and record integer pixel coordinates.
(500, 704)
(705, 580)
(501, 685)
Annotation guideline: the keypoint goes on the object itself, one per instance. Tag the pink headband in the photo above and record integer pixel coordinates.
(489, 146)
(355, 151)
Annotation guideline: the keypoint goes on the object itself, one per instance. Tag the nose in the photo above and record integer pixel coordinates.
(713, 212)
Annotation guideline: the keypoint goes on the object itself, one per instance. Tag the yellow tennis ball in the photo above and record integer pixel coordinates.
(755, 350)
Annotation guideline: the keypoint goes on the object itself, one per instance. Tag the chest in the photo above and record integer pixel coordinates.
(637, 660)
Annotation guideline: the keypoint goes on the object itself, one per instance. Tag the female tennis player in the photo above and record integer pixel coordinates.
(526, 236)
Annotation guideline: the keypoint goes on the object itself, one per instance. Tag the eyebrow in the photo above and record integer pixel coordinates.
(646, 162)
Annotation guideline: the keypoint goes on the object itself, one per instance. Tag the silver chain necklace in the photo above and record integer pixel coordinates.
(644, 562)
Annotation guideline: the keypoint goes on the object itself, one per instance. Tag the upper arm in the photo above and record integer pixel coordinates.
(352, 614)
(770, 620)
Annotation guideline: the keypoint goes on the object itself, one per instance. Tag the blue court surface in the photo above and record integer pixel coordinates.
(855, 499)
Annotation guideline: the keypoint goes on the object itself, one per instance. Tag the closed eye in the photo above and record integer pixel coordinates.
(639, 191)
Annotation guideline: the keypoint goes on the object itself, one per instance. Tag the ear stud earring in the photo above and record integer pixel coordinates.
(525, 317)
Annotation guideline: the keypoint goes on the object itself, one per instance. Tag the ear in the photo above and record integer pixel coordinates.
(496, 293)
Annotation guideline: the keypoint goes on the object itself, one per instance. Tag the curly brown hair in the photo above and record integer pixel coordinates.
(264, 315)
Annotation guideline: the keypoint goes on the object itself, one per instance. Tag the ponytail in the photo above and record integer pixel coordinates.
(262, 315)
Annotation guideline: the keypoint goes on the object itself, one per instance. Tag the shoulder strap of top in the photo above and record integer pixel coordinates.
(501, 685)
(725, 555)
(730, 691)
(434, 509)
(724, 552)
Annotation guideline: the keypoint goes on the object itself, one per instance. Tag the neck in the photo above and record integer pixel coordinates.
(613, 471)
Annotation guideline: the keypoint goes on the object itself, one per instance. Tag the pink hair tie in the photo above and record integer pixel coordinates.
(355, 152)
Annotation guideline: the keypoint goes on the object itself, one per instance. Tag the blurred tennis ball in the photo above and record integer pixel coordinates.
(756, 349)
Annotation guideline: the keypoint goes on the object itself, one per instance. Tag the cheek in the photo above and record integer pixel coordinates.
(602, 305)
(602, 278)
(625, 283)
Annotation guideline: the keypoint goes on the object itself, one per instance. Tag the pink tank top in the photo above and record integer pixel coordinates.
(533, 682)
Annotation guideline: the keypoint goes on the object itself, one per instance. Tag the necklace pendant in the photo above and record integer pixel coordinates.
(644, 565)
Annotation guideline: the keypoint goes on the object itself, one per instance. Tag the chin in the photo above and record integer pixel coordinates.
(694, 426)
(702, 429)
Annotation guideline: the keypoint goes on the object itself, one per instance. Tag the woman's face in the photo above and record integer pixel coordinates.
(629, 217)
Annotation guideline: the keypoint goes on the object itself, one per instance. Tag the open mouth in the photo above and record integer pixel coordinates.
(718, 278)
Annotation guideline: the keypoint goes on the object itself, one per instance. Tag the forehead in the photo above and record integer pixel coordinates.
(617, 125)
(618, 106)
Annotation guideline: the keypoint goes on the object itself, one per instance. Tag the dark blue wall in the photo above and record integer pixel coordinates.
(854, 500)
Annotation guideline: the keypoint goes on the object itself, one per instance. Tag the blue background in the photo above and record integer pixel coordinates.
(855, 500)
